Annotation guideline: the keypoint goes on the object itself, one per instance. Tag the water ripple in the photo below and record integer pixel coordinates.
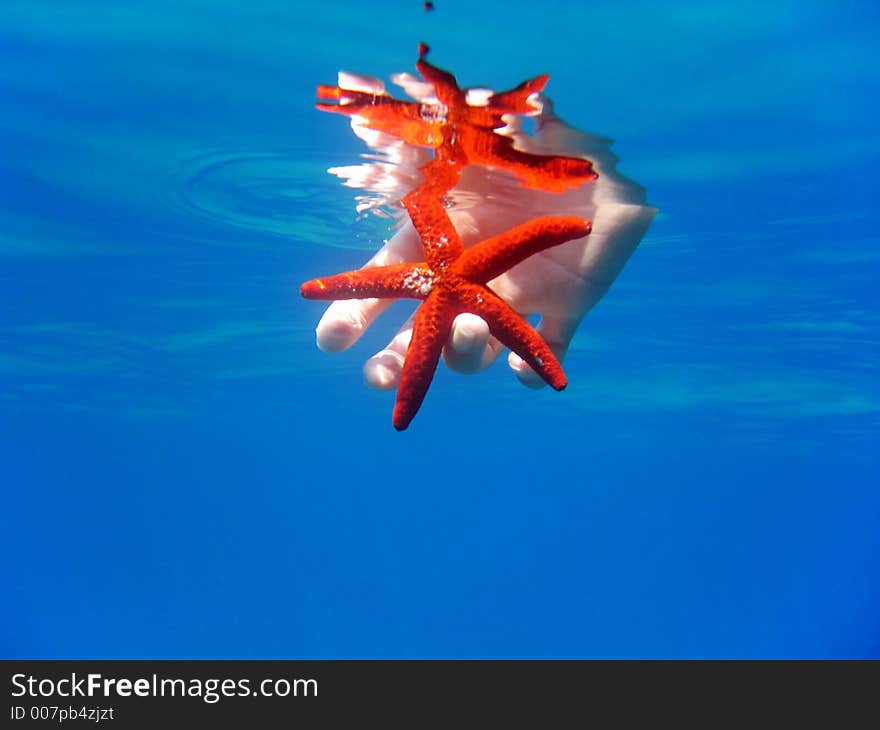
(275, 195)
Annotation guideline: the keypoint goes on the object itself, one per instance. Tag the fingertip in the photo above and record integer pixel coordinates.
(524, 372)
(340, 327)
(335, 336)
(358, 82)
(464, 351)
(382, 371)
(468, 328)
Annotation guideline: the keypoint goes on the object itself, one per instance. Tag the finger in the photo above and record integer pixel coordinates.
(358, 82)
(470, 348)
(382, 371)
(416, 88)
(345, 321)
(557, 333)
(470, 353)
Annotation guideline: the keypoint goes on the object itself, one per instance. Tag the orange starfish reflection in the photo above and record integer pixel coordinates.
(461, 133)
(452, 280)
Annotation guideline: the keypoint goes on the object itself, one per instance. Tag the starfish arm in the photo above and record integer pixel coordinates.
(516, 101)
(411, 281)
(493, 256)
(552, 173)
(513, 332)
(444, 83)
(441, 241)
(401, 119)
(431, 328)
(441, 174)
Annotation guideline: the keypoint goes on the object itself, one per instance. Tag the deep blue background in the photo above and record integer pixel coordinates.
(185, 475)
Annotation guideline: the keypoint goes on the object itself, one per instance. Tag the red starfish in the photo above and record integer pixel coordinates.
(451, 280)
(456, 283)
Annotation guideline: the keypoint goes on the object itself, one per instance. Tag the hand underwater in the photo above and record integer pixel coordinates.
(561, 284)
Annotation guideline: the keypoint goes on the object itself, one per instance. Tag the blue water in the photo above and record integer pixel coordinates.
(185, 475)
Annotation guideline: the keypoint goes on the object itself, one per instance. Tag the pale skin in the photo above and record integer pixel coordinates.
(561, 284)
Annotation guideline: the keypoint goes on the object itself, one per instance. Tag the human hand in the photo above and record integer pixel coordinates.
(561, 284)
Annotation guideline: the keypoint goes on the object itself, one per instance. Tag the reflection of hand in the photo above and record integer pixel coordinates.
(561, 284)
